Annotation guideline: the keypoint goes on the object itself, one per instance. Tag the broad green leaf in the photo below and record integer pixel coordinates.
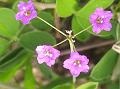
(65, 8)
(76, 28)
(3, 46)
(56, 82)
(64, 86)
(89, 85)
(10, 68)
(38, 24)
(29, 82)
(8, 24)
(83, 15)
(31, 40)
(104, 68)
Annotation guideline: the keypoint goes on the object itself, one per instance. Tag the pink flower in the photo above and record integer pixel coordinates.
(47, 54)
(76, 64)
(26, 12)
(100, 20)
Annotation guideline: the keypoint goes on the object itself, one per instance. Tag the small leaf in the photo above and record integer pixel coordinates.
(64, 86)
(8, 24)
(104, 68)
(65, 8)
(89, 85)
(3, 46)
(76, 28)
(56, 82)
(31, 40)
(38, 24)
(83, 14)
(29, 82)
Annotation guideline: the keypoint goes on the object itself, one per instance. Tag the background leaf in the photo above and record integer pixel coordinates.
(65, 8)
(104, 68)
(64, 86)
(8, 70)
(38, 24)
(47, 72)
(3, 45)
(89, 85)
(58, 81)
(8, 24)
(29, 82)
(76, 28)
(31, 40)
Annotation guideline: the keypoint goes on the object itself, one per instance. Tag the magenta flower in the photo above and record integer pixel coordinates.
(76, 64)
(100, 20)
(47, 54)
(26, 12)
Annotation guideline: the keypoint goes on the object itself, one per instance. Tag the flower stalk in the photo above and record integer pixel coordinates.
(52, 26)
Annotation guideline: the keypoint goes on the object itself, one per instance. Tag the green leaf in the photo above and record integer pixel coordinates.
(29, 82)
(116, 71)
(48, 73)
(38, 24)
(104, 68)
(3, 46)
(49, 1)
(64, 86)
(76, 28)
(89, 85)
(65, 8)
(56, 82)
(83, 15)
(8, 24)
(31, 40)
(112, 85)
(9, 55)
(8, 70)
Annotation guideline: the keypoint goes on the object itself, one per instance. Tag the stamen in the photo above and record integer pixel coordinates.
(77, 62)
(99, 20)
(27, 13)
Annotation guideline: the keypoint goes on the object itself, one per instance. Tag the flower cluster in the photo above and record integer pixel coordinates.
(100, 20)
(77, 63)
(26, 12)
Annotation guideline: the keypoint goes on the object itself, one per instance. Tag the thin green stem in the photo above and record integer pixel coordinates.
(60, 43)
(52, 26)
(81, 31)
(72, 48)
(74, 80)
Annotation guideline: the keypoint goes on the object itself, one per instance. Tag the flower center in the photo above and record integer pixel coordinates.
(77, 62)
(48, 53)
(27, 13)
(99, 20)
